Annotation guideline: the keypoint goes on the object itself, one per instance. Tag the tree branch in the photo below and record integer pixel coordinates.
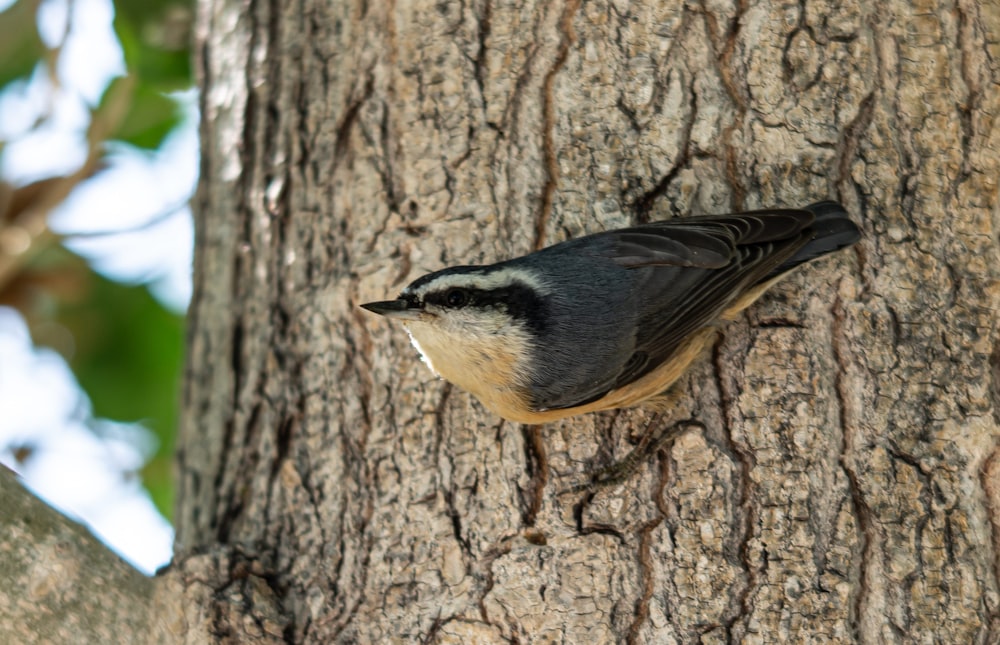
(60, 584)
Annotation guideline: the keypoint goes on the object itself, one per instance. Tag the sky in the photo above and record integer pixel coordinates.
(82, 465)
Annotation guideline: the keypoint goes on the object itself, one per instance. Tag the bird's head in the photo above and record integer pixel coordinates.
(474, 326)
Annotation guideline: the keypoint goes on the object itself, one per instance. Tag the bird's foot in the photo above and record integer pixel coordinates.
(622, 470)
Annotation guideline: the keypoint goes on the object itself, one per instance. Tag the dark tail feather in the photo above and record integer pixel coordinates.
(832, 230)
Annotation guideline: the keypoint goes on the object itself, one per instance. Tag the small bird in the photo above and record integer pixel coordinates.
(608, 320)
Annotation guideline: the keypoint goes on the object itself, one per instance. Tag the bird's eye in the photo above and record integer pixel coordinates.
(456, 298)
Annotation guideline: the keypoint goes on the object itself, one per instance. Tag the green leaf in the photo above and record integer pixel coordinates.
(141, 12)
(134, 113)
(21, 48)
(155, 38)
(150, 118)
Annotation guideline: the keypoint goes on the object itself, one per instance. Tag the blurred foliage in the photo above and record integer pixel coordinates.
(123, 345)
(21, 49)
(151, 117)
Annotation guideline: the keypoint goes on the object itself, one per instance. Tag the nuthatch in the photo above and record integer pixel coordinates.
(609, 320)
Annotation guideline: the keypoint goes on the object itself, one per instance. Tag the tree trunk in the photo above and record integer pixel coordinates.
(845, 485)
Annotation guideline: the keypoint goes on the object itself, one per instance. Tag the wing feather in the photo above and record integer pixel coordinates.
(693, 268)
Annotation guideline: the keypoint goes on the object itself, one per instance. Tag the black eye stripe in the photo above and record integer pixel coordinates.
(457, 297)
(520, 301)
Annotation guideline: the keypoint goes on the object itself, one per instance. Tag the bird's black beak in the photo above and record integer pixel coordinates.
(398, 309)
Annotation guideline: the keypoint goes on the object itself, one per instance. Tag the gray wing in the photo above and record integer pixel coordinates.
(692, 269)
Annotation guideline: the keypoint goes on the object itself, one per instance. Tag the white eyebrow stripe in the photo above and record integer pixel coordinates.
(489, 281)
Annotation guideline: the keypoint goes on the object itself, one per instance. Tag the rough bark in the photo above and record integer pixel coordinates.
(845, 485)
(60, 585)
